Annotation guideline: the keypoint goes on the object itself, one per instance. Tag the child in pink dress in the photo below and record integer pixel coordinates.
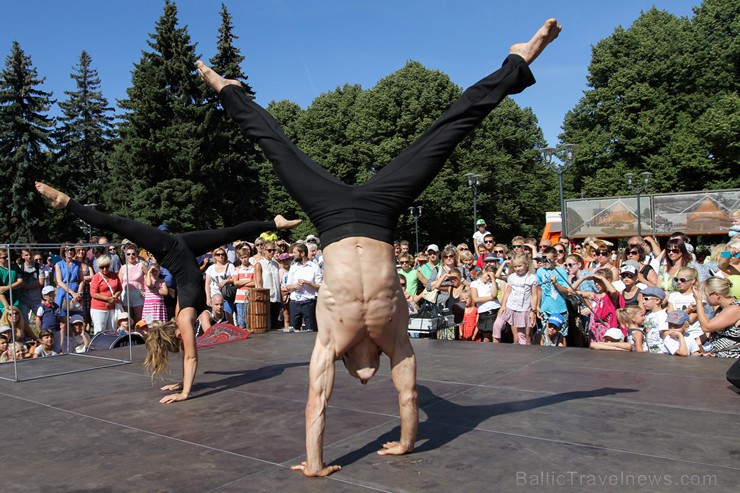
(156, 290)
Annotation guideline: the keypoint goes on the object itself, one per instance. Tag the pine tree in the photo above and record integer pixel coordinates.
(161, 146)
(233, 168)
(24, 145)
(84, 136)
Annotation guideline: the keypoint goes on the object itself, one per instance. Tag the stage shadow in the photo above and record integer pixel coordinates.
(239, 378)
(459, 420)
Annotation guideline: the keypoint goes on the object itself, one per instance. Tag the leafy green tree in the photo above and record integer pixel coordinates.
(162, 132)
(663, 99)
(24, 144)
(84, 136)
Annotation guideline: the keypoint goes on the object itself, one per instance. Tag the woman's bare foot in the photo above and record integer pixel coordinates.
(282, 223)
(543, 37)
(212, 78)
(57, 199)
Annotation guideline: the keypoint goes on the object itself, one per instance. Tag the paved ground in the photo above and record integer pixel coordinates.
(494, 418)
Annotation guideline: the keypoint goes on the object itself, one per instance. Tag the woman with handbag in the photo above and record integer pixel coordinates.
(219, 278)
(105, 294)
(178, 254)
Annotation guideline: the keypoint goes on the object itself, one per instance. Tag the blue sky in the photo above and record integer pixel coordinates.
(297, 50)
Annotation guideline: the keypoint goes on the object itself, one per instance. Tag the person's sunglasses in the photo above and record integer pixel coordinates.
(602, 252)
(682, 279)
(633, 252)
(487, 241)
(269, 250)
(559, 251)
(627, 274)
(516, 246)
(402, 262)
(498, 252)
(131, 255)
(219, 254)
(673, 250)
(569, 265)
(463, 249)
(449, 256)
(729, 255)
(3, 257)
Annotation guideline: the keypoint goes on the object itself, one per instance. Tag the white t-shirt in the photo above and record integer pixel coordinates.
(483, 291)
(520, 296)
(478, 237)
(671, 345)
(655, 322)
(217, 277)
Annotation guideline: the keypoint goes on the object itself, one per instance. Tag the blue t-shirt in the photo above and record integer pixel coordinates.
(552, 300)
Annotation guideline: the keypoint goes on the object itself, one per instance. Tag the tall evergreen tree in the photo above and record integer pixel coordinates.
(84, 136)
(161, 144)
(24, 145)
(233, 168)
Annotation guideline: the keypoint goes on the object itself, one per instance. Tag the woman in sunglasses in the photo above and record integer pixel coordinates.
(675, 257)
(603, 258)
(68, 275)
(178, 254)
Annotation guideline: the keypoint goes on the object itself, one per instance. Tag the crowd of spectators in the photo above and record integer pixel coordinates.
(637, 296)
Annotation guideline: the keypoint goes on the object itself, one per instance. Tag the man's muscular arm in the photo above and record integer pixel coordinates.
(321, 384)
(403, 373)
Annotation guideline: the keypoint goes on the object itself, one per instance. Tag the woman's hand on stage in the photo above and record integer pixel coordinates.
(173, 387)
(169, 399)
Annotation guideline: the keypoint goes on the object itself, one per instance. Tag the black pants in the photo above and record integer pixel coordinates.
(372, 209)
(175, 252)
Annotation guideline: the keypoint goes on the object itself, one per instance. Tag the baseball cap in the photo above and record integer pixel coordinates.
(490, 258)
(47, 290)
(122, 316)
(628, 269)
(480, 222)
(141, 323)
(614, 333)
(433, 247)
(4, 328)
(654, 291)
(76, 319)
(311, 238)
(556, 319)
(677, 317)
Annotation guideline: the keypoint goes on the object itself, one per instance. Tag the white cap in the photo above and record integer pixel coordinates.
(47, 290)
(614, 333)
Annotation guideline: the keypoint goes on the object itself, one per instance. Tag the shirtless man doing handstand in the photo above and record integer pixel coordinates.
(363, 315)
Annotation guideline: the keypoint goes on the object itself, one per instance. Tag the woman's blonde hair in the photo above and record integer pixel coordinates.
(718, 285)
(20, 327)
(627, 314)
(161, 340)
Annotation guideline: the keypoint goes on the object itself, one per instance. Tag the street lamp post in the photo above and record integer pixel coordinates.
(473, 184)
(638, 189)
(415, 213)
(564, 155)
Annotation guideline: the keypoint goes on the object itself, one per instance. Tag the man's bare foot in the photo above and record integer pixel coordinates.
(282, 223)
(543, 37)
(394, 448)
(212, 78)
(57, 199)
(324, 471)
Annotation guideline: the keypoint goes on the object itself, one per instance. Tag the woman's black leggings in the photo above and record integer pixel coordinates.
(176, 252)
(372, 209)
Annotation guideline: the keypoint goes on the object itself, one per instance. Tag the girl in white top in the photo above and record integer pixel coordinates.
(518, 303)
(484, 292)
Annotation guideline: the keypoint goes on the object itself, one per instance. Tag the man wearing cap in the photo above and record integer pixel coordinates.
(480, 233)
(425, 271)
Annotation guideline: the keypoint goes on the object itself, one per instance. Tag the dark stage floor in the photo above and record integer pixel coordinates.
(493, 418)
